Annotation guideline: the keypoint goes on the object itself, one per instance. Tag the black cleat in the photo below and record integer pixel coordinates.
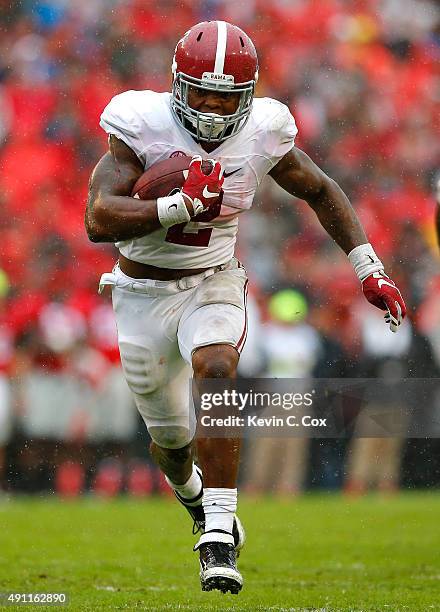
(195, 509)
(218, 569)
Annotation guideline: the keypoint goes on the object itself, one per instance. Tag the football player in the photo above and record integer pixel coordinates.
(177, 285)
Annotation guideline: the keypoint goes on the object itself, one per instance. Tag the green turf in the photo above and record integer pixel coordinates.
(319, 552)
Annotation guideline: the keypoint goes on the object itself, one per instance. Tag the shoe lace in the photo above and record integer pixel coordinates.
(198, 527)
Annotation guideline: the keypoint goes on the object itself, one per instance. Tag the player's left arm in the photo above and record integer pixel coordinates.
(302, 178)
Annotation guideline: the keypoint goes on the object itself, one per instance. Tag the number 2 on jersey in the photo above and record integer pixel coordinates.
(176, 235)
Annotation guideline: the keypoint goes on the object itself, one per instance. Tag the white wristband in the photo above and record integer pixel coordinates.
(172, 210)
(365, 261)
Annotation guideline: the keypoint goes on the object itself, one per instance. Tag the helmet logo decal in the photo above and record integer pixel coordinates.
(212, 76)
(221, 47)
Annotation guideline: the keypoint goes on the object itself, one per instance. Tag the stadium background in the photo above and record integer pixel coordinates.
(360, 78)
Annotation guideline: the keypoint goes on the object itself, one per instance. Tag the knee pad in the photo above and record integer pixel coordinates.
(171, 436)
(168, 415)
(170, 425)
(143, 372)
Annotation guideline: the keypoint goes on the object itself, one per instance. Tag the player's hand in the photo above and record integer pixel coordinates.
(382, 292)
(203, 192)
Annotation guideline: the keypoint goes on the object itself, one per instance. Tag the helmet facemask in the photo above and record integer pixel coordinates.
(210, 127)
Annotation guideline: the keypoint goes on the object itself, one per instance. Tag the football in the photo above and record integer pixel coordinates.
(162, 178)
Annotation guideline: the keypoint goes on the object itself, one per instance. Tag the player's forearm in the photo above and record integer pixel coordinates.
(338, 217)
(114, 218)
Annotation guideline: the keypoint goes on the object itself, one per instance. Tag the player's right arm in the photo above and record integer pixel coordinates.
(111, 213)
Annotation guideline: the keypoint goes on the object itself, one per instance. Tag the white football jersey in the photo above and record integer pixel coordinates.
(145, 122)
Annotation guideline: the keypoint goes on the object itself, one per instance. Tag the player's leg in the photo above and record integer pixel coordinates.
(218, 457)
(211, 334)
(167, 418)
(177, 463)
(212, 331)
(181, 474)
(151, 362)
(219, 460)
(185, 479)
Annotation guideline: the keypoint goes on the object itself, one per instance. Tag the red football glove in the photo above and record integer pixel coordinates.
(204, 190)
(382, 292)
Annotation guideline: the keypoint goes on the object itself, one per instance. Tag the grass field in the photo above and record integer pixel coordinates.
(320, 552)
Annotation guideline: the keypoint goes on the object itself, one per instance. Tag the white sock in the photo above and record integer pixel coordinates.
(220, 506)
(191, 488)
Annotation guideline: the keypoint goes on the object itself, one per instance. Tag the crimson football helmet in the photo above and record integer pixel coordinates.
(218, 56)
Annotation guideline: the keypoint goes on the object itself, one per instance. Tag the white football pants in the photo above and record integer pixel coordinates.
(160, 324)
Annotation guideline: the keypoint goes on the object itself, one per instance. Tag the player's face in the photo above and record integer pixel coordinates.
(218, 102)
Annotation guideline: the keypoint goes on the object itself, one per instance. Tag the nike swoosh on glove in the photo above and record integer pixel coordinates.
(382, 292)
(204, 190)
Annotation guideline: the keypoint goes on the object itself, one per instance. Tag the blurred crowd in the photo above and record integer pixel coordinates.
(361, 78)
